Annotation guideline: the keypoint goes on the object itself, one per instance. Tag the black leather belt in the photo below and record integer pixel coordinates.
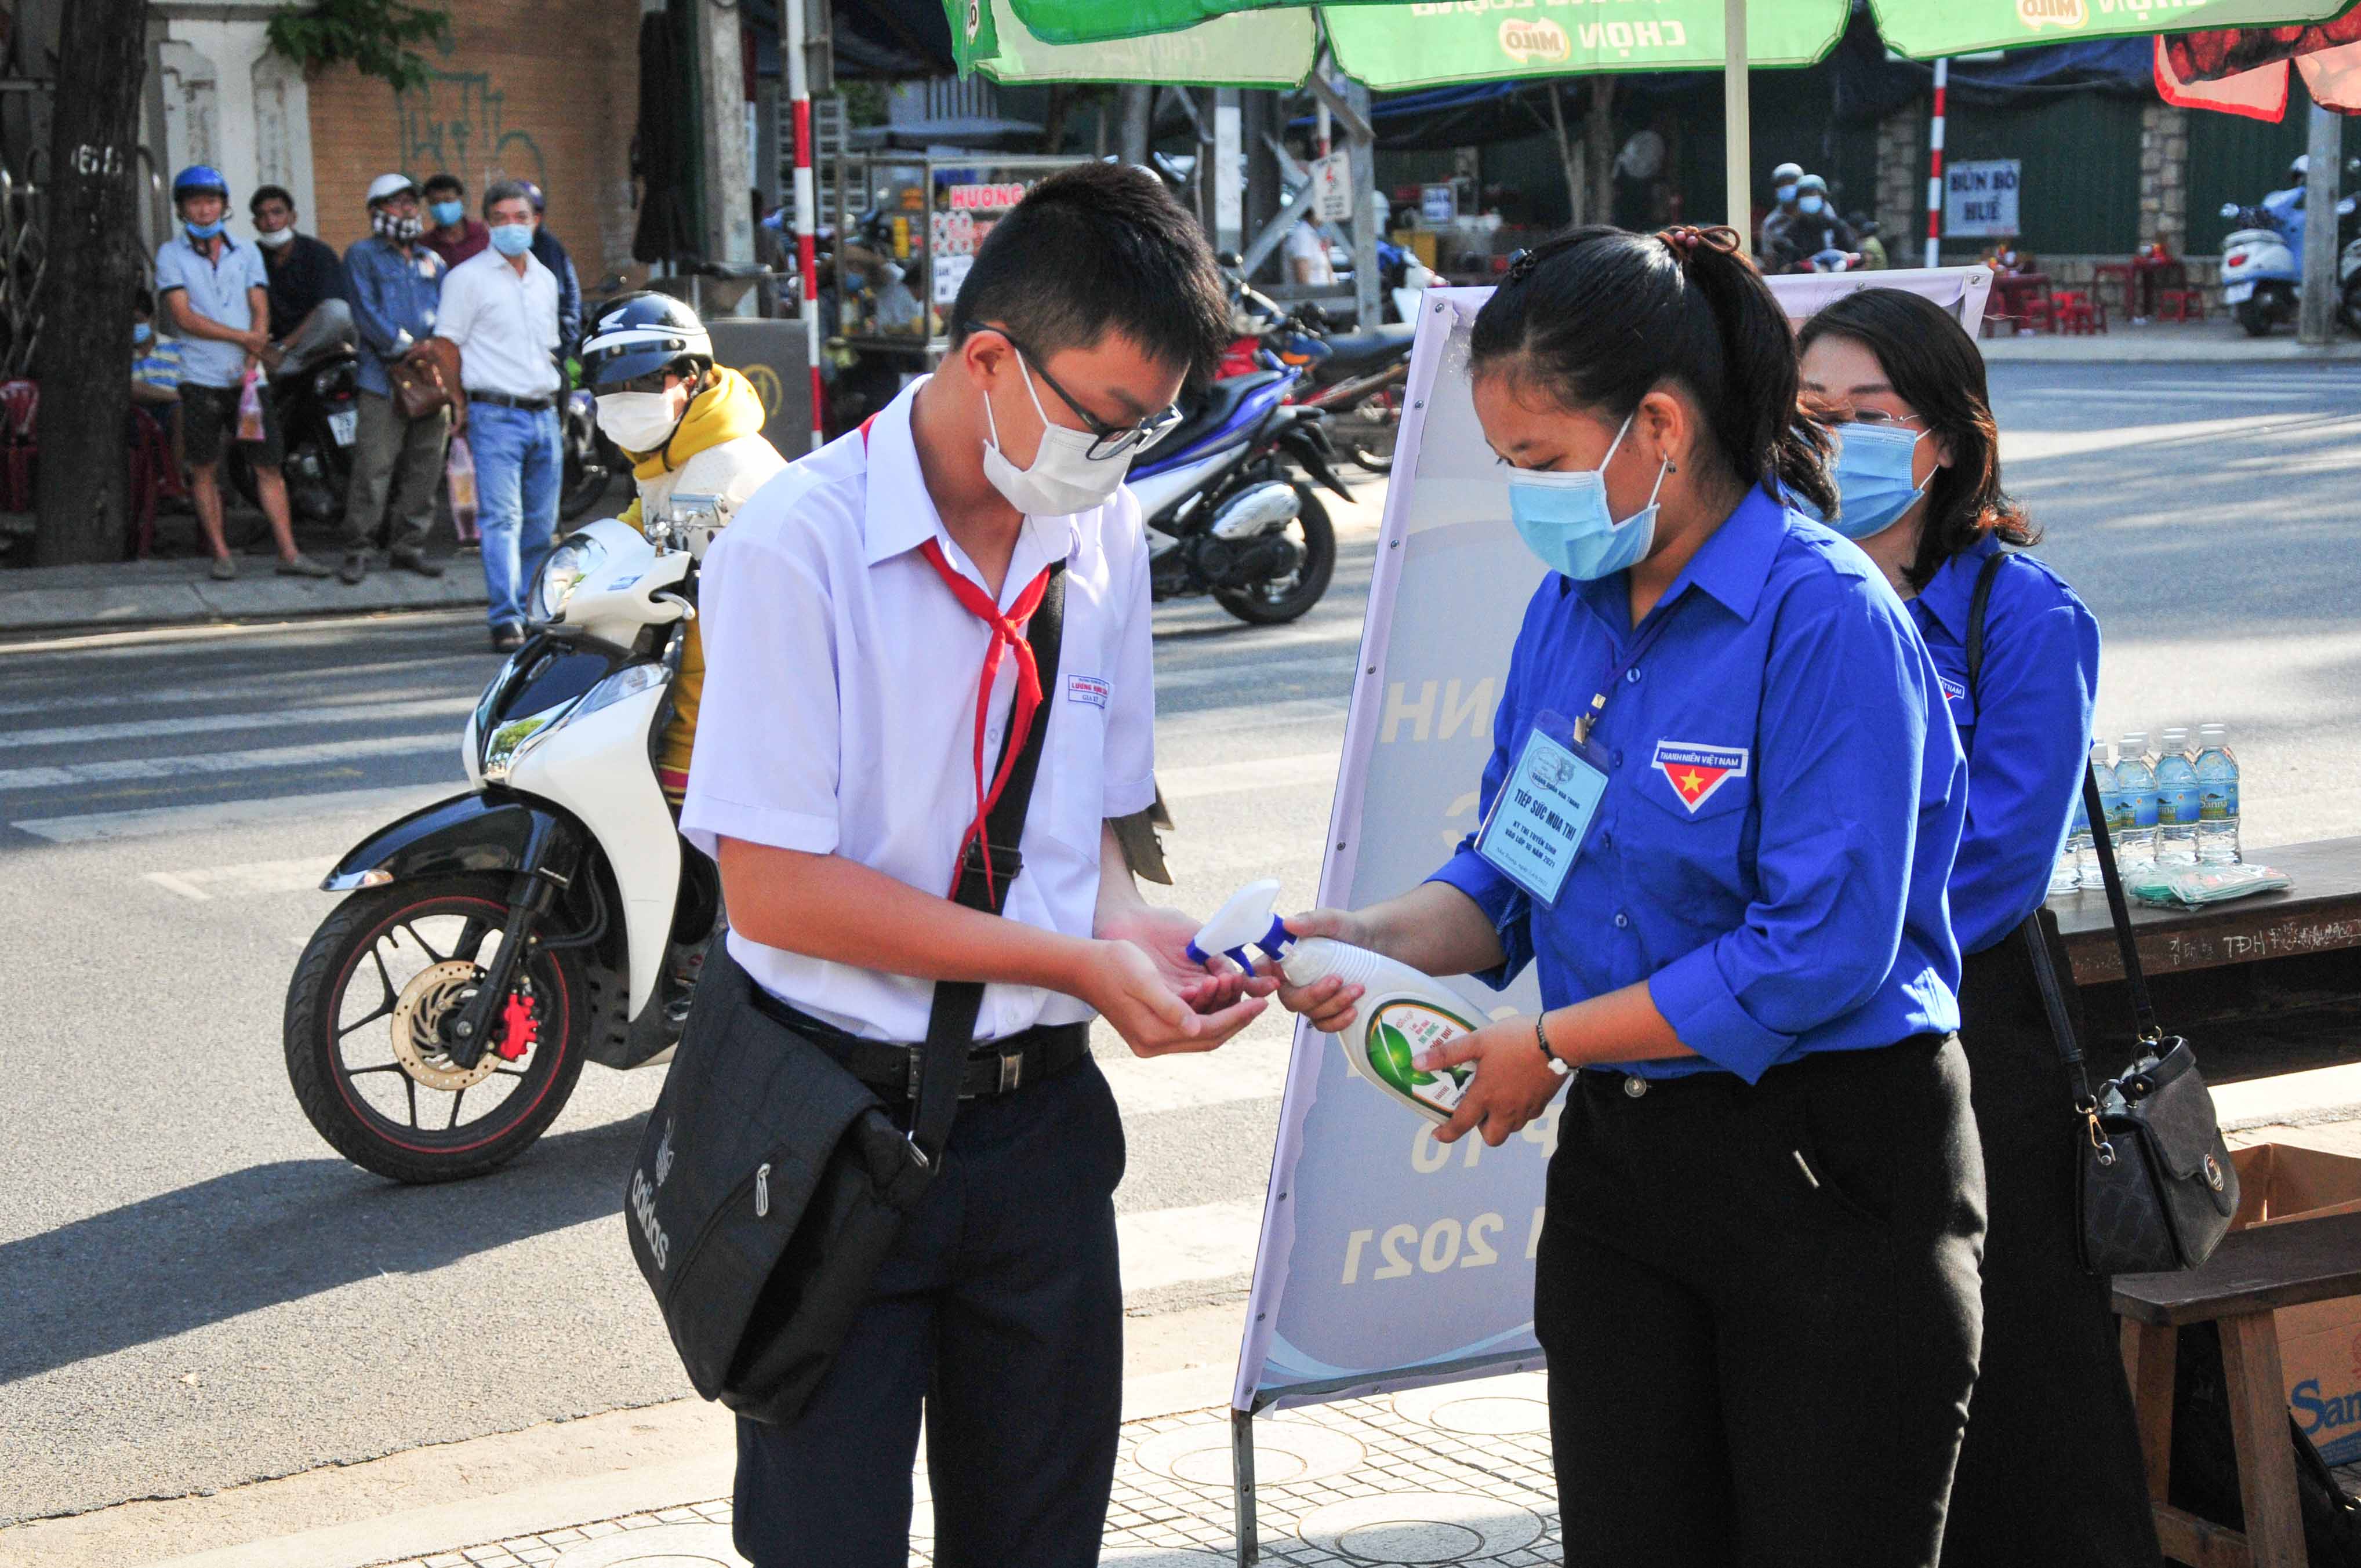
(992, 1069)
(502, 400)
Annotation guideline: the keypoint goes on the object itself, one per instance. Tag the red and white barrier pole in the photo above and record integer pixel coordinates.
(1935, 169)
(806, 204)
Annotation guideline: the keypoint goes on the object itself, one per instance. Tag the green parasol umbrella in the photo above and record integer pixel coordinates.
(1388, 45)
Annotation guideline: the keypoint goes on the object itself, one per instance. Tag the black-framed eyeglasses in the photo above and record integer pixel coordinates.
(1108, 440)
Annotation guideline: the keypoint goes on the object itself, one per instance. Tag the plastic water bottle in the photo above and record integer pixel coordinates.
(2177, 804)
(2067, 875)
(2111, 804)
(2217, 795)
(2136, 777)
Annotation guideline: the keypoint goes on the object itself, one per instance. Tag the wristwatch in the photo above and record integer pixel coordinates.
(1541, 1037)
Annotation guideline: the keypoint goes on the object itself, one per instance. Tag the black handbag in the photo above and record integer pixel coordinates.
(2155, 1188)
(771, 1183)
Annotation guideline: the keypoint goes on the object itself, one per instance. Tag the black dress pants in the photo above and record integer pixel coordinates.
(2050, 1472)
(999, 1313)
(1760, 1307)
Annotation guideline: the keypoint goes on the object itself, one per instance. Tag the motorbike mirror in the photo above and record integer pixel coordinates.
(2229, 209)
(2344, 207)
(1229, 259)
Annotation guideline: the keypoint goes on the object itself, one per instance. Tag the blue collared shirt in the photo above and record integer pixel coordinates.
(1794, 902)
(394, 298)
(217, 288)
(2026, 728)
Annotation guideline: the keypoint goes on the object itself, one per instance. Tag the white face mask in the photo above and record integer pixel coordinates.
(640, 421)
(275, 238)
(1064, 477)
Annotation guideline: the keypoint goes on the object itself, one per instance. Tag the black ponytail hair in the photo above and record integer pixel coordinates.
(1597, 317)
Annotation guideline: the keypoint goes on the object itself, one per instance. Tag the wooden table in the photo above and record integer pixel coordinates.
(2265, 984)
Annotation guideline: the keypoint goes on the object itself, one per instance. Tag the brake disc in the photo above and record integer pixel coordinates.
(429, 998)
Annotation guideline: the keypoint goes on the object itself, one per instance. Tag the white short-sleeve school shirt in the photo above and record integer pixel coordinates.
(839, 703)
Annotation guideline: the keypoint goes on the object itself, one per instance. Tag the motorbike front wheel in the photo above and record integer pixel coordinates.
(1281, 599)
(368, 1049)
(2253, 317)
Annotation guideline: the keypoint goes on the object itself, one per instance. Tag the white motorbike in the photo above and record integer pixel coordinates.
(2262, 267)
(491, 943)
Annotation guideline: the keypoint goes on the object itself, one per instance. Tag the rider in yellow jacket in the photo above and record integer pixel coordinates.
(691, 428)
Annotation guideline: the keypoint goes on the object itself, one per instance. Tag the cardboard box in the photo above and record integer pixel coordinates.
(2320, 1345)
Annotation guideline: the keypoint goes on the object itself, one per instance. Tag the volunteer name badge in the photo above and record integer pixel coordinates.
(1543, 813)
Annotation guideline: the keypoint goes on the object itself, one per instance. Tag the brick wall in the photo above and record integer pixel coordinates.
(1902, 184)
(541, 90)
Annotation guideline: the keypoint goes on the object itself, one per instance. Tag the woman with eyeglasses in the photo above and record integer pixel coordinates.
(1717, 820)
(2049, 1471)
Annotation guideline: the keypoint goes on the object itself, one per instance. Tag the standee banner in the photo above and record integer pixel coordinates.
(1389, 1259)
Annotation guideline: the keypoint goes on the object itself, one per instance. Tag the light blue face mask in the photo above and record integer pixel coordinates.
(1811, 205)
(1873, 471)
(511, 240)
(1563, 518)
(1785, 193)
(447, 213)
(141, 331)
(205, 231)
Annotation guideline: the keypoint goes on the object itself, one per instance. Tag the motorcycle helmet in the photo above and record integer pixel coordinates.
(1811, 185)
(641, 333)
(1786, 174)
(2299, 169)
(200, 180)
(533, 194)
(385, 186)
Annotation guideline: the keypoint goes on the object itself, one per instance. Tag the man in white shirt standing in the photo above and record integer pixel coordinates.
(863, 625)
(500, 307)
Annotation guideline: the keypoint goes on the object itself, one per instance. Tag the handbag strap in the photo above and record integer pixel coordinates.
(950, 1027)
(2143, 1011)
(1976, 605)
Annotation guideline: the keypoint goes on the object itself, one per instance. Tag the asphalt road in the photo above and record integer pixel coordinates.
(196, 1292)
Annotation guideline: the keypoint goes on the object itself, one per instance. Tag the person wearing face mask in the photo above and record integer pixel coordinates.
(867, 618)
(500, 308)
(450, 233)
(1814, 230)
(214, 292)
(1719, 820)
(1783, 184)
(690, 427)
(308, 313)
(394, 285)
(2050, 1470)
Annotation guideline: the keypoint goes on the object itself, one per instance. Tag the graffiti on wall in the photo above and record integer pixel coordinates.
(457, 124)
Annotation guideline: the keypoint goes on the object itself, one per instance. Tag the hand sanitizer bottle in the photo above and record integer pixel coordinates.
(1401, 1012)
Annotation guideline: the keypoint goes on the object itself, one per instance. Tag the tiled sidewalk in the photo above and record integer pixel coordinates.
(1458, 1474)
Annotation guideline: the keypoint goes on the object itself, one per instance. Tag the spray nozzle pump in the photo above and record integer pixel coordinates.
(1246, 923)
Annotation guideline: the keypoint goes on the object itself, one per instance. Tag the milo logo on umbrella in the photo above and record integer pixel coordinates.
(1697, 770)
(1544, 40)
(2067, 13)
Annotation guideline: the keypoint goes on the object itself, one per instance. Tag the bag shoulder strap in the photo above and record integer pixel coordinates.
(1976, 606)
(950, 1027)
(2118, 910)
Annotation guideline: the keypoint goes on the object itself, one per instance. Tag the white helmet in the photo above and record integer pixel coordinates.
(386, 185)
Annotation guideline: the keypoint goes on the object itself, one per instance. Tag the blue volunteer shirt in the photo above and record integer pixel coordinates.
(2024, 728)
(217, 291)
(1789, 898)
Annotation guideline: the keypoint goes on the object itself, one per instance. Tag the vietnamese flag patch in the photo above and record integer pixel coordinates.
(1695, 772)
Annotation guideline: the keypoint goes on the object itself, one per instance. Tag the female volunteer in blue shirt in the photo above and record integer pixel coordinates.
(1757, 1281)
(2050, 1472)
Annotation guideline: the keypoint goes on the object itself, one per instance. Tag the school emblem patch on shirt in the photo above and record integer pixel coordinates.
(1092, 689)
(1695, 772)
(1953, 690)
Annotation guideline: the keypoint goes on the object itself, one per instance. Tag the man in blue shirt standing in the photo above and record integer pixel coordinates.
(552, 255)
(217, 297)
(395, 286)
